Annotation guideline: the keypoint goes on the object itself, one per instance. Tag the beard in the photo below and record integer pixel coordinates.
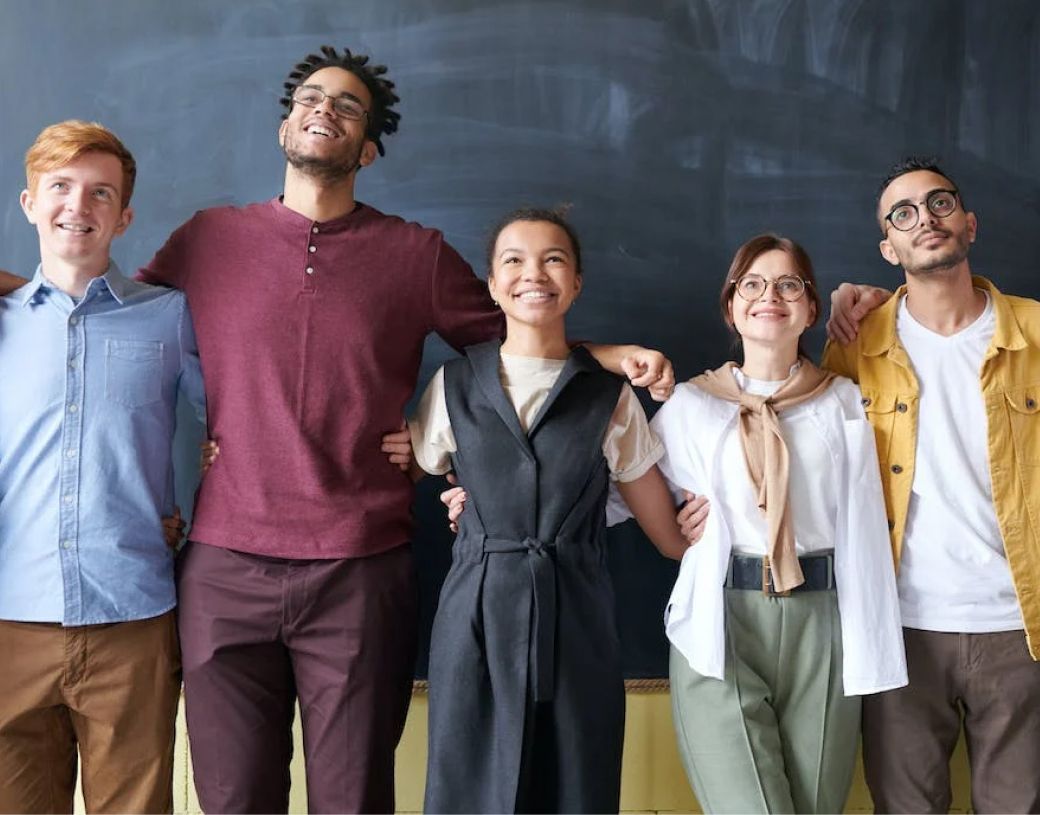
(326, 169)
(949, 258)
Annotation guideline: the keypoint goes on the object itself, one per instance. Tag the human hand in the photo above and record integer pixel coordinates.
(692, 517)
(173, 528)
(850, 303)
(650, 369)
(398, 448)
(209, 452)
(455, 500)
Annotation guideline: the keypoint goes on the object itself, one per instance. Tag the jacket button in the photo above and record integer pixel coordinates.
(891, 524)
(865, 401)
(897, 469)
(901, 407)
(1030, 403)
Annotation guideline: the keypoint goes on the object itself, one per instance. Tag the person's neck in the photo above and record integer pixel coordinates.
(72, 278)
(769, 363)
(944, 302)
(316, 199)
(544, 342)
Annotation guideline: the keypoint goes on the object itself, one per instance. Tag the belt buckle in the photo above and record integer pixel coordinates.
(767, 581)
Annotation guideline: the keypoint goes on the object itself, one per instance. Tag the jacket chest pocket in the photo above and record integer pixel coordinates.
(133, 371)
(1024, 418)
(885, 410)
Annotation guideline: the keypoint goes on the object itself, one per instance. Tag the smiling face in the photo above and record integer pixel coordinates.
(769, 320)
(534, 275)
(320, 143)
(77, 210)
(934, 244)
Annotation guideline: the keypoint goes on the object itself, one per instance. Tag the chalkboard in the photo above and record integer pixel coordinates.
(675, 129)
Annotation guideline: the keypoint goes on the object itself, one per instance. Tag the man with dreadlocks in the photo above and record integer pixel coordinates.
(311, 311)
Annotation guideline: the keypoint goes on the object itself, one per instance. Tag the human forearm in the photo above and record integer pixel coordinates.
(650, 501)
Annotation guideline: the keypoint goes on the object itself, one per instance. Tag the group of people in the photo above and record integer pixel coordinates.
(863, 529)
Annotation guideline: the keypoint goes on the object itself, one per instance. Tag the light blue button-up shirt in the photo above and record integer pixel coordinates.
(88, 396)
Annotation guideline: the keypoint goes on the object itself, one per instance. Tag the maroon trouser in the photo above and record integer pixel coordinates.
(258, 632)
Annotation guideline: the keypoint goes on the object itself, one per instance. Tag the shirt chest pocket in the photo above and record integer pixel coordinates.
(885, 410)
(133, 371)
(1024, 417)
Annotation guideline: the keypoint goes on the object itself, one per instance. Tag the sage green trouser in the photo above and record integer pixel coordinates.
(777, 735)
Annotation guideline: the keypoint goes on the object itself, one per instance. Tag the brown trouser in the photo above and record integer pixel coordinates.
(988, 682)
(111, 689)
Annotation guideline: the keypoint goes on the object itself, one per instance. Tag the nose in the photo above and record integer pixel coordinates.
(78, 200)
(533, 271)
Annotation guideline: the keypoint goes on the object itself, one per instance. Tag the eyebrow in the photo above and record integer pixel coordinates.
(904, 201)
(344, 95)
(544, 251)
(66, 178)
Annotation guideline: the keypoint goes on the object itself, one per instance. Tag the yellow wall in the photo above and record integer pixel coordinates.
(652, 778)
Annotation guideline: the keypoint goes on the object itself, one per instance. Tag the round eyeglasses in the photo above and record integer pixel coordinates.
(941, 203)
(345, 106)
(788, 287)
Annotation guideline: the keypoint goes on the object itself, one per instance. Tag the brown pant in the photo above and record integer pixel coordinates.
(111, 689)
(988, 682)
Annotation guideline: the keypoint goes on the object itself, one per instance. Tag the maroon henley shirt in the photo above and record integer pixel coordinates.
(310, 336)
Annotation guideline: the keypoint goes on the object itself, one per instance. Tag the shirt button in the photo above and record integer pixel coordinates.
(67, 499)
(901, 407)
(73, 408)
(66, 544)
(70, 454)
(897, 469)
(314, 229)
(72, 363)
(312, 249)
(73, 320)
(310, 270)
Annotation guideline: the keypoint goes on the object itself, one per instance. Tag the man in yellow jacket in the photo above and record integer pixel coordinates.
(949, 368)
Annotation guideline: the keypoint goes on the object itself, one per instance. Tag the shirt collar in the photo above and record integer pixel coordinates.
(880, 335)
(112, 280)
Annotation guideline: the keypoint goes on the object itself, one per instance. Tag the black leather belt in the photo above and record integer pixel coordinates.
(749, 572)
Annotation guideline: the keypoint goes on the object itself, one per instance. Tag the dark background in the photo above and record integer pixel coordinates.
(675, 129)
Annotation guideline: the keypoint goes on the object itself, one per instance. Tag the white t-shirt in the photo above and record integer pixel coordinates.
(629, 446)
(953, 573)
(812, 500)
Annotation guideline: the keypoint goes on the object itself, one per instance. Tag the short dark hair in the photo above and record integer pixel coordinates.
(382, 119)
(912, 164)
(556, 215)
(750, 251)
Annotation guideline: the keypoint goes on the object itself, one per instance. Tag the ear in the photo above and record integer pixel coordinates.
(812, 315)
(28, 206)
(888, 252)
(281, 132)
(126, 217)
(369, 153)
(973, 226)
(577, 285)
(492, 288)
(729, 314)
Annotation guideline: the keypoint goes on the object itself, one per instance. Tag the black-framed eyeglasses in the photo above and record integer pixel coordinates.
(345, 106)
(788, 287)
(941, 203)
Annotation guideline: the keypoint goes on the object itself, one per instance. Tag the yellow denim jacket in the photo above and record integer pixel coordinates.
(1010, 382)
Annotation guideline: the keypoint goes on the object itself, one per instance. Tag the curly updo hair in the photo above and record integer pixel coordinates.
(382, 119)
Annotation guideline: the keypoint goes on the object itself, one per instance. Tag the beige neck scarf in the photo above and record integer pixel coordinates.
(766, 456)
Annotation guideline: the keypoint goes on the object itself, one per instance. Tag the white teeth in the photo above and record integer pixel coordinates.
(74, 228)
(318, 130)
(530, 296)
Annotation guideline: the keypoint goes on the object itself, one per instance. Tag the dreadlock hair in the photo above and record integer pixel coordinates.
(381, 119)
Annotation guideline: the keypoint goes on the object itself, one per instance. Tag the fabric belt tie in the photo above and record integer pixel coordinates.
(543, 587)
